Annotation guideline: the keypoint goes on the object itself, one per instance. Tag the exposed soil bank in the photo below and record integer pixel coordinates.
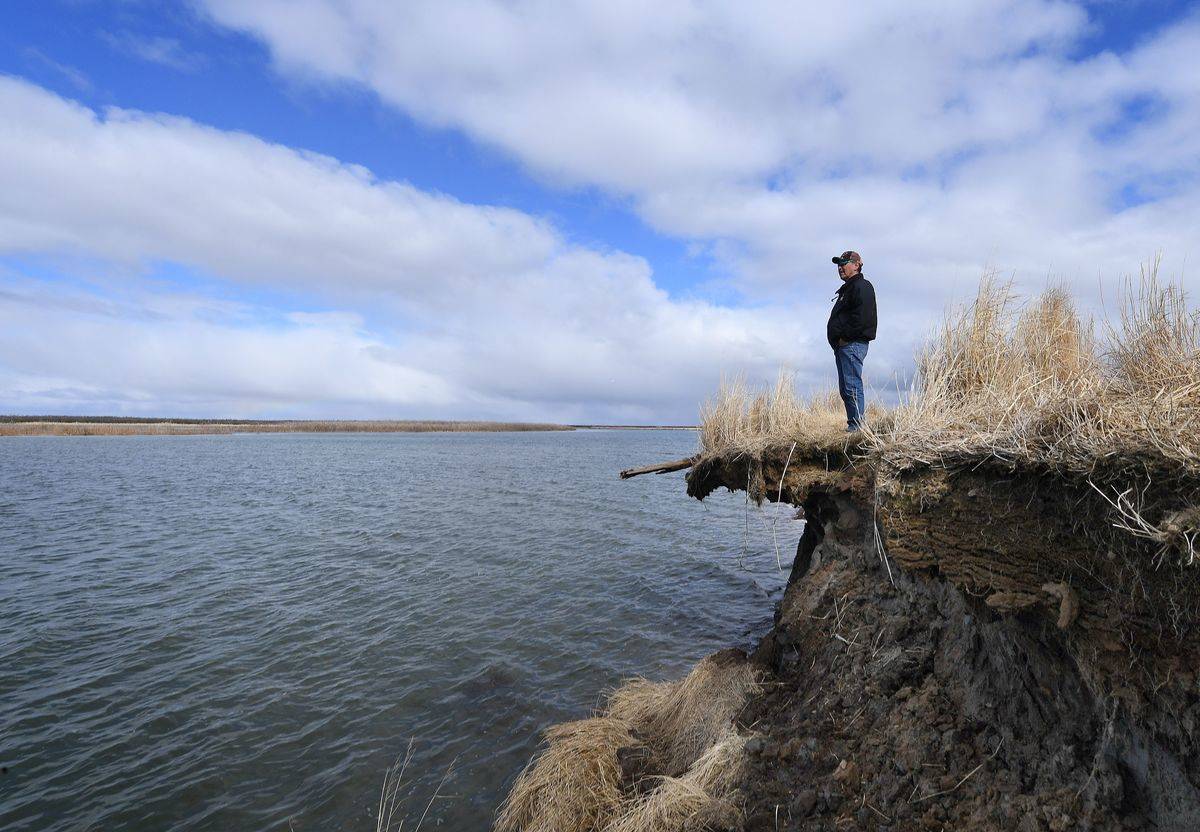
(970, 650)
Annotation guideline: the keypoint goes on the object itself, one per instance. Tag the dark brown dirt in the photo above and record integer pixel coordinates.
(988, 681)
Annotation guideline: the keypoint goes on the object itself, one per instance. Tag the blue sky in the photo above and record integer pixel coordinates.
(165, 57)
(566, 211)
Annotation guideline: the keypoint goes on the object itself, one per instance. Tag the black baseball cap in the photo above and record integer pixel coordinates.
(847, 257)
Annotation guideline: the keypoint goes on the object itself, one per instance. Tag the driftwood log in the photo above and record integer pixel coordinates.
(662, 468)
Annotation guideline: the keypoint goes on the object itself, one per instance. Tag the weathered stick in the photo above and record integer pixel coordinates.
(662, 468)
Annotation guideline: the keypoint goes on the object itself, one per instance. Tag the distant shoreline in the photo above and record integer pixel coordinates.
(142, 426)
(635, 427)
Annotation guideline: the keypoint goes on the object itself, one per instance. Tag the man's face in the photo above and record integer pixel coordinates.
(848, 270)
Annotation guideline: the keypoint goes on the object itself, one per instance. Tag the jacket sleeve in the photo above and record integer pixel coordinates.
(868, 319)
(833, 328)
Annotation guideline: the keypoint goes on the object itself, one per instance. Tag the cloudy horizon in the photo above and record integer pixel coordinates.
(567, 212)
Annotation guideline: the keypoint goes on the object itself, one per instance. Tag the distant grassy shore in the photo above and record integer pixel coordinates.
(128, 426)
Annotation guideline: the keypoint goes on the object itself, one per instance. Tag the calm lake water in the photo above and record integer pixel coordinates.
(243, 632)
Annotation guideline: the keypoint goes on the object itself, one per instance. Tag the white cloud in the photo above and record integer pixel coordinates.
(638, 97)
(147, 353)
(164, 51)
(423, 303)
(131, 186)
(938, 138)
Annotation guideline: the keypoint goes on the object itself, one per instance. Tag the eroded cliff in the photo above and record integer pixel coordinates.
(967, 649)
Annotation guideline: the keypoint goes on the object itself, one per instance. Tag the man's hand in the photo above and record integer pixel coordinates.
(842, 342)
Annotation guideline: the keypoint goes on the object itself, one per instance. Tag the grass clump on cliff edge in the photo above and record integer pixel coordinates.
(574, 785)
(1027, 384)
(692, 757)
(740, 420)
(1035, 386)
(701, 794)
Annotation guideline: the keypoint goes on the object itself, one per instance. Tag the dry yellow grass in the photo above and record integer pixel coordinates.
(681, 720)
(1027, 385)
(574, 785)
(1035, 387)
(636, 701)
(687, 725)
(739, 420)
(703, 791)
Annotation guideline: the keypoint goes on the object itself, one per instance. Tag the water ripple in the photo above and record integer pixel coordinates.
(206, 633)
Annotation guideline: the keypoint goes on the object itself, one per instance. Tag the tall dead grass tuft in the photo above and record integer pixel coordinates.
(1025, 385)
(575, 784)
(699, 710)
(993, 379)
(739, 421)
(1028, 384)
(705, 790)
(1037, 388)
(1156, 351)
(694, 754)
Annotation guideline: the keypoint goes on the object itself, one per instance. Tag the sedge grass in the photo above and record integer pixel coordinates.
(1024, 384)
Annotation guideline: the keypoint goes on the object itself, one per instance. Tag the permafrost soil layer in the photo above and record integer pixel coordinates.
(972, 650)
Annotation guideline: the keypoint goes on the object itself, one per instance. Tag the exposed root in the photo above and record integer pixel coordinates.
(1177, 530)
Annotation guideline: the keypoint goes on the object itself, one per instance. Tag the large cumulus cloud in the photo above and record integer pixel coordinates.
(424, 304)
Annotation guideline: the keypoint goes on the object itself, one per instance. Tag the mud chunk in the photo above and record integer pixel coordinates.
(848, 519)
(806, 751)
(1068, 603)
(1011, 600)
(845, 772)
(1030, 823)
(804, 803)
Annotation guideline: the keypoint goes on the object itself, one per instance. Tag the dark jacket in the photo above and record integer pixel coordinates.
(853, 315)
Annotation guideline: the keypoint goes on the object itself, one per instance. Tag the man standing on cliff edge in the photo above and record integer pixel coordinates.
(851, 326)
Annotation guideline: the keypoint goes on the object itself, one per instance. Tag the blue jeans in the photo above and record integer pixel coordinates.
(849, 368)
